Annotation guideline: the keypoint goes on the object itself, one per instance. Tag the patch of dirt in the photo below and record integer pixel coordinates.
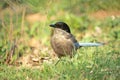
(103, 14)
(37, 17)
(36, 55)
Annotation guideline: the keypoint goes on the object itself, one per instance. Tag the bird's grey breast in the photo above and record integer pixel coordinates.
(62, 43)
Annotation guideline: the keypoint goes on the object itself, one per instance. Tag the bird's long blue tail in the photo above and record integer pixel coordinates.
(89, 44)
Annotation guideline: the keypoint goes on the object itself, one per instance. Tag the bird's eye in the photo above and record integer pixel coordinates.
(58, 25)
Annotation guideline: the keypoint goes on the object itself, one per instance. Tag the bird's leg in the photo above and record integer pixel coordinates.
(57, 62)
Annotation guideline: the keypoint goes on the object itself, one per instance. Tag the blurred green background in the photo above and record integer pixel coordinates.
(25, 39)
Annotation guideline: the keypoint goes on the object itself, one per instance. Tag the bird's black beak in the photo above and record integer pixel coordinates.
(52, 25)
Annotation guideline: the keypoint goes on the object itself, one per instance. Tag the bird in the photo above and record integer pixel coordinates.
(63, 41)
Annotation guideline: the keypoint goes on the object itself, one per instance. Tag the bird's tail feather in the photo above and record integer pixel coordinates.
(88, 44)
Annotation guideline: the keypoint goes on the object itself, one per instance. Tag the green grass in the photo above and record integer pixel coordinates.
(89, 63)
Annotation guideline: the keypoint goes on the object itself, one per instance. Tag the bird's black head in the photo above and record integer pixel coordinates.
(62, 26)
